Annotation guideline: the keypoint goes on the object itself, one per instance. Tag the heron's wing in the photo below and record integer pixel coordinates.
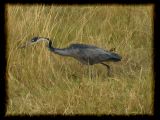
(91, 55)
(81, 46)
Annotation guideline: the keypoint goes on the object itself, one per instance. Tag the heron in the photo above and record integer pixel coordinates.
(85, 54)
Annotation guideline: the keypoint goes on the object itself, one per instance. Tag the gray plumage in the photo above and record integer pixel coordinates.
(86, 54)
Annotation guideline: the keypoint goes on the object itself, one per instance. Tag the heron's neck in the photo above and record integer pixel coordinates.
(58, 51)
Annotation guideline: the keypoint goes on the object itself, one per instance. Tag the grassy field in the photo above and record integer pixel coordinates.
(40, 82)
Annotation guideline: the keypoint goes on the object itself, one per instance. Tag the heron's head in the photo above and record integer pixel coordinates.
(34, 40)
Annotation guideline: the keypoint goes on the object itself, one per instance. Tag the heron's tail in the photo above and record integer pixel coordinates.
(115, 57)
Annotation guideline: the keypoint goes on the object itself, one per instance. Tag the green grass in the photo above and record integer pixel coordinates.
(40, 82)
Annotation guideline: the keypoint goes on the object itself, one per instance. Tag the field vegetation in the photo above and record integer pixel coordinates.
(41, 82)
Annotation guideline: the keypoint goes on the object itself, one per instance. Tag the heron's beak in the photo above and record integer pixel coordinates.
(28, 43)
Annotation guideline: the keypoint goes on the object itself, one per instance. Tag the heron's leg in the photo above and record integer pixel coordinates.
(108, 67)
(89, 69)
(89, 72)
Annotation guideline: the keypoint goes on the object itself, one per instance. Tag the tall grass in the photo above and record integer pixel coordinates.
(40, 82)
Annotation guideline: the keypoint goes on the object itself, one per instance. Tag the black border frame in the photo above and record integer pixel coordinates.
(156, 55)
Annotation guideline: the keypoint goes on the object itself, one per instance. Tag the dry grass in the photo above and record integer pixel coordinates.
(40, 82)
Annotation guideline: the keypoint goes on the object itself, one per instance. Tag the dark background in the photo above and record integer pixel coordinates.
(3, 38)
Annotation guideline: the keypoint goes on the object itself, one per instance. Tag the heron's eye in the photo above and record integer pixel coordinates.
(34, 40)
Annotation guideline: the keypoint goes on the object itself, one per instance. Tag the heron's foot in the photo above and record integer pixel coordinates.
(108, 68)
(109, 73)
(74, 76)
